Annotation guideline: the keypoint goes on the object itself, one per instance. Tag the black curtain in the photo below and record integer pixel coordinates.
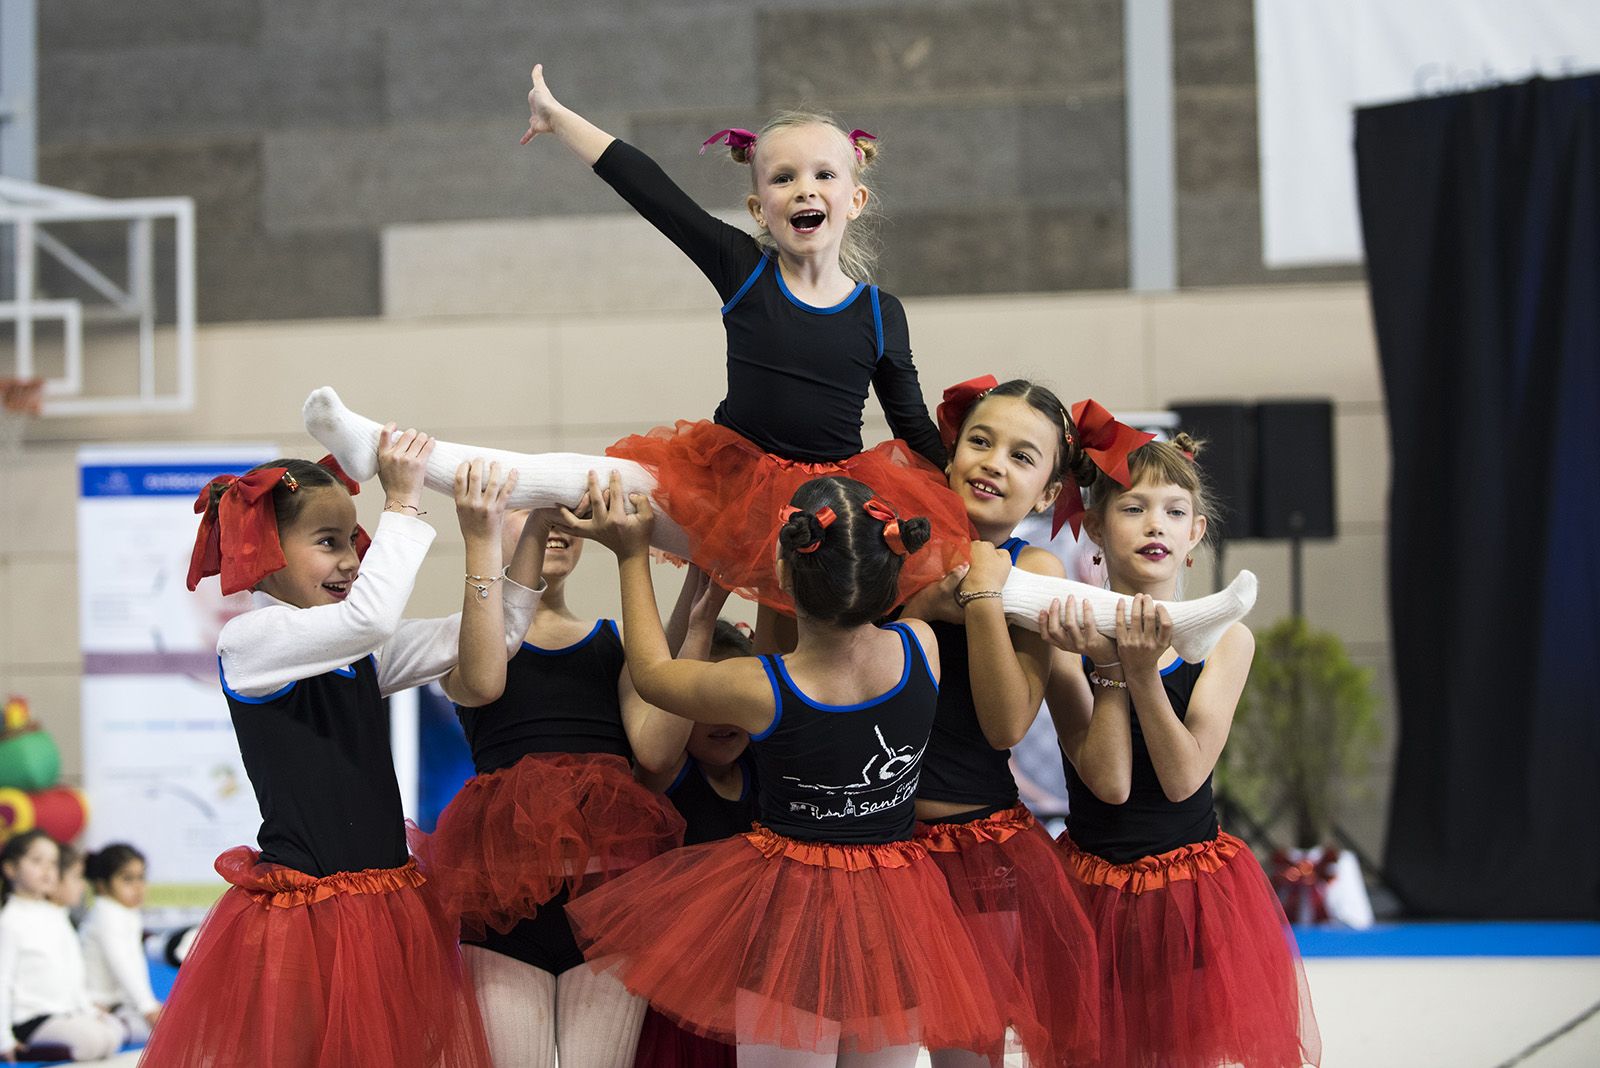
(1483, 253)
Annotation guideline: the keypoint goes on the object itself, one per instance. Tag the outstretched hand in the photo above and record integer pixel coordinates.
(542, 106)
(609, 522)
(481, 494)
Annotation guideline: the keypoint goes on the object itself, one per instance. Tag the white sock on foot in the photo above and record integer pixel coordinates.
(1197, 625)
(544, 480)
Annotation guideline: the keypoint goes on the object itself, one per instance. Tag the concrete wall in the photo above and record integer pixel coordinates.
(304, 128)
(548, 380)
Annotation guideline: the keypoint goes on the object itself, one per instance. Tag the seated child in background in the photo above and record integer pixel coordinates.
(113, 940)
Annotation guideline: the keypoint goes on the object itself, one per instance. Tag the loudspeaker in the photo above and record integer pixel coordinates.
(1294, 469)
(1228, 432)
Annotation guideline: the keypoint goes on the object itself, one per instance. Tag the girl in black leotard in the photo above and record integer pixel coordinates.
(1198, 965)
(826, 930)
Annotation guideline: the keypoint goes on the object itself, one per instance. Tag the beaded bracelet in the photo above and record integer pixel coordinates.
(482, 583)
(1110, 684)
(963, 598)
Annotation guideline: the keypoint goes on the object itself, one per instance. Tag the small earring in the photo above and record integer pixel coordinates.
(1095, 558)
(1189, 562)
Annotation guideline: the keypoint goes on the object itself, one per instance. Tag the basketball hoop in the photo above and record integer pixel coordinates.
(21, 401)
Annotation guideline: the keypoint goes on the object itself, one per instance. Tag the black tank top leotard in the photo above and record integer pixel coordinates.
(961, 767)
(1147, 823)
(708, 816)
(556, 701)
(317, 754)
(846, 773)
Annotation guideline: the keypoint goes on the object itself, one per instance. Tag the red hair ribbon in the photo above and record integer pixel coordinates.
(891, 524)
(238, 539)
(824, 516)
(860, 135)
(958, 401)
(1109, 444)
(362, 540)
(733, 138)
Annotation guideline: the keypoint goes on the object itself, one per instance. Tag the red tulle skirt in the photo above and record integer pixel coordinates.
(353, 969)
(768, 940)
(663, 1044)
(1025, 920)
(512, 839)
(725, 492)
(1198, 965)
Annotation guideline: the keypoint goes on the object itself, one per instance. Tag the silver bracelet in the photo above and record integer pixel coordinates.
(1109, 664)
(482, 583)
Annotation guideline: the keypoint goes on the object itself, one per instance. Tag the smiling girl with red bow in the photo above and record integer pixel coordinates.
(330, 948)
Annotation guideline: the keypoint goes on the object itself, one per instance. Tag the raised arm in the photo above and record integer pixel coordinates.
(725, 254)
(658, 738)
(899, 393)
(1093, 723)
(1009, 667)
(733, 691)
(479, 675)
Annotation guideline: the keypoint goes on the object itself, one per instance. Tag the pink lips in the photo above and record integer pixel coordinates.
(1154, 550)
(981, 493)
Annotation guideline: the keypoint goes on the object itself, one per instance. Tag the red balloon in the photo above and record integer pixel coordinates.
(61, 812)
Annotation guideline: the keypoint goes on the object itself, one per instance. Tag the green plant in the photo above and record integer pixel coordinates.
(1305, 730)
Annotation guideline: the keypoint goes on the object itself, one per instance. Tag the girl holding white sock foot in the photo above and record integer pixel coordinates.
(1198, 965)
(554, 810)
(1014, 452)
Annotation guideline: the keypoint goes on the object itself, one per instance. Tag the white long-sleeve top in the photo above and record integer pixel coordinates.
(113, 956)
(276, 644)
(41, 965)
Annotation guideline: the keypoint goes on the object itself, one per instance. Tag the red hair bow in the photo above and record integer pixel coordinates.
(362, 540)
(891, 524)
(733, 138)
(1108, 443)
(238, 539)
(824, 516)
(958, 401)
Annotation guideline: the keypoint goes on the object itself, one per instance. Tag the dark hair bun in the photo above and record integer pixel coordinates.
(741, 153)
(914, 533)
(800, 532)
(1184, 443)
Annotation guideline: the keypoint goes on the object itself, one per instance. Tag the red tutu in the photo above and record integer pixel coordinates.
(663, 1044)
(1199, 967)
(725, 492)
(1025, 920)
(352, 969)
(510, 840)
(804, 945)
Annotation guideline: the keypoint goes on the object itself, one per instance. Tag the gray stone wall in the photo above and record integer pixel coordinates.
(303, 128)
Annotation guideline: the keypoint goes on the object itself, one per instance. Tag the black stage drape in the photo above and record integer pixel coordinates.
(1482, 221)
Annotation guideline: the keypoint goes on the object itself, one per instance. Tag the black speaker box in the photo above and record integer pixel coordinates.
(1228, 459)
(1294, 469)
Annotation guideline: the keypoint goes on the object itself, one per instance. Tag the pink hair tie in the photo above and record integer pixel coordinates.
(734, 138)
(860, 135)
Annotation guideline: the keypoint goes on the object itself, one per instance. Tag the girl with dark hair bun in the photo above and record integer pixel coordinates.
(825, 935)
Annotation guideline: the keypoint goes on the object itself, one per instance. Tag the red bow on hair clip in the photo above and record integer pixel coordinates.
(733, 138)
(362, 540)
(1108, 443)
(238, 539)
(860, 135)
(958, 401)
(824, 515)
(891, 524)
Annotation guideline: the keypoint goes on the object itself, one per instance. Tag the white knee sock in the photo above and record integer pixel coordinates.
(1197, 625)
(597, 1020)
(544, 480)
(560, 478)
(518, 1003)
